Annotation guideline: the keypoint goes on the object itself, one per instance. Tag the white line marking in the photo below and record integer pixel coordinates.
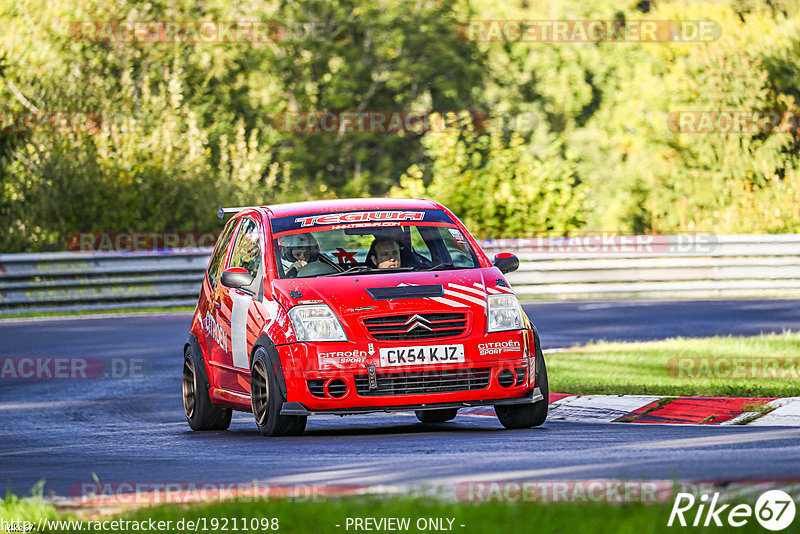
(786, 414)
(478, 292)
(469, 298)
(449, 302)
(742, 418)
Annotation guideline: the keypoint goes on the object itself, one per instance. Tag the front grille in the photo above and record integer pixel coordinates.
(316, 387)
(433, 381)
(411, 327)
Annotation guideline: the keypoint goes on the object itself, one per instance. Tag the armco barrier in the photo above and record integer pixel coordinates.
(78, 281)
(634, 266)
(655, 266)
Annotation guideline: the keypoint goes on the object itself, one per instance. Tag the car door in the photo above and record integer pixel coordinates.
(212, 293)
(236, 308)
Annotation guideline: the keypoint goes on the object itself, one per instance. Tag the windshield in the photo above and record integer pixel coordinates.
(357, 243)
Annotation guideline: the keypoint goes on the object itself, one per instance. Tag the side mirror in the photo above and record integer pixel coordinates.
(236, 277)
(506, 262)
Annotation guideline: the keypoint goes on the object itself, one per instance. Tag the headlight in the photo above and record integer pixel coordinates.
(504, 313)
(316, 323)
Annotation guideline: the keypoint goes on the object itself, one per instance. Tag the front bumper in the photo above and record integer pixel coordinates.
(296, 408)
(413, 387)
(484, 390)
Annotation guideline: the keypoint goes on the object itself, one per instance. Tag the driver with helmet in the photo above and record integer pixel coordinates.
(298, 251)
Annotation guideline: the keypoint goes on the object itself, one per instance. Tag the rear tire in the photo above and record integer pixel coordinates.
(527, 415)
(200, 413)
(266, 401)
(436, 416)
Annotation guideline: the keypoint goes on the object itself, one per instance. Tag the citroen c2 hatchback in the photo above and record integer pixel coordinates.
(357, 306)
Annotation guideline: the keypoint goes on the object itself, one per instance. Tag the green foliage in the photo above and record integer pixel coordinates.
(497, 185)
(29, 508)
(369, 56)
(609, 104)
(489, 507)
(162, 159)
(189, 126)
(719, 182)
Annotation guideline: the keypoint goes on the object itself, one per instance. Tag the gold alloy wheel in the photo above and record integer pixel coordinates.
(189, 394)
(260, 392)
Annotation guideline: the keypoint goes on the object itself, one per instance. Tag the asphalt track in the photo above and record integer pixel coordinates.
(132, 429)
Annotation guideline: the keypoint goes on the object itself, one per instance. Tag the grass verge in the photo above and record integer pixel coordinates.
(13, 508)
(762, 366)
(332, 517)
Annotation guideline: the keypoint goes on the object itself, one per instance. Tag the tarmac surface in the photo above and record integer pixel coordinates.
(127, 425)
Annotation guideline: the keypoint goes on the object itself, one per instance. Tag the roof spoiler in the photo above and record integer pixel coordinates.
(222, 212)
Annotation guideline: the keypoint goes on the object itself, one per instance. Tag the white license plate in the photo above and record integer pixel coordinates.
(424, 355)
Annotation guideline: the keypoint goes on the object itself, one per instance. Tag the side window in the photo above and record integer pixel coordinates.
(218, 256)
(246, 251)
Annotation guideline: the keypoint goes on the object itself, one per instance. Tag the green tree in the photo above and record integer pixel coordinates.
(351, 55)
(497, 185)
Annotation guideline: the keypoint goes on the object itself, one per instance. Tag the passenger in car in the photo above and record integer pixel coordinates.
(384, 253)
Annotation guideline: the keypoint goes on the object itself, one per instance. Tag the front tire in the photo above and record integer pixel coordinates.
(527, 415)
(200, 413)
(266, 401)
(436, 416)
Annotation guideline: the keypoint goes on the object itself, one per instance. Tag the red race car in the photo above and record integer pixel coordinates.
(356, 306)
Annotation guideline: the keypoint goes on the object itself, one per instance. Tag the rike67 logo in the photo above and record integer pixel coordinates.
(774, 510)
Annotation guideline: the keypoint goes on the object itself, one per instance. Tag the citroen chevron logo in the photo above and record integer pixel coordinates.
(417, 318)
(417, 321)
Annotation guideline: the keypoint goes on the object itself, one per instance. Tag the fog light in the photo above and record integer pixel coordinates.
(506, 378)
(337, 388)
